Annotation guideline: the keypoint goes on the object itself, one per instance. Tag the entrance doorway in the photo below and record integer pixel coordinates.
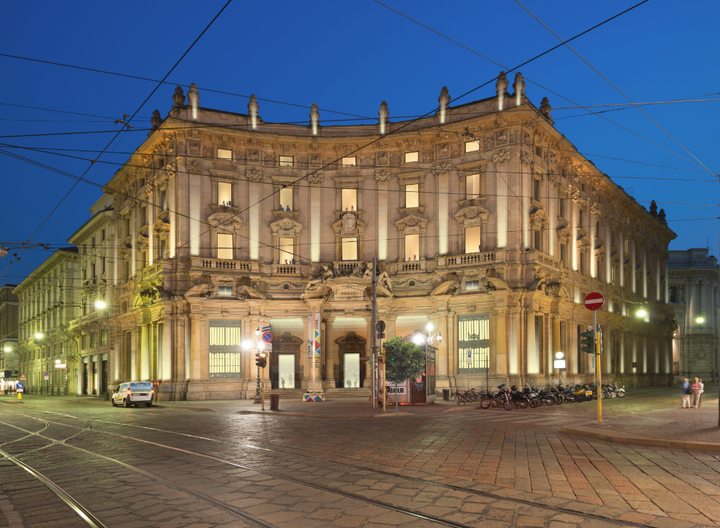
(285, 362)
(286, 371)
(350, 372)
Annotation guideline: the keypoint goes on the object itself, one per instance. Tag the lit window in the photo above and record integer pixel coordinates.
(225, 246)
(349, 249)
(286, 199)
(412, 195)
(224, 154)
(349, 199)
(472, 186)
(412, 246)
(472, 285)
(349, 162)
(472, 239)
(286, 251)
(286, 161)
(411, 157)
(225, 291)
(472, 146)
(224, 193)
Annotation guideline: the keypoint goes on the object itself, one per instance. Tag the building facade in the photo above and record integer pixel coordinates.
(48, 301)
(8, 334)
(486, 222)
(695, 299)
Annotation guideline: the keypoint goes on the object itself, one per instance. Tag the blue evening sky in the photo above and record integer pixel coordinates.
(348, 56)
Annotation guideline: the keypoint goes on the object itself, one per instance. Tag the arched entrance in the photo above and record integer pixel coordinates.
(350, 370)
(285, 364)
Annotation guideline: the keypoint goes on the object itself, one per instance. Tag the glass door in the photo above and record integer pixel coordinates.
(286, 371)
(352, 371)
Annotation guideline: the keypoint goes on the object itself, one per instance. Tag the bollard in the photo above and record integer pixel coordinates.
(19, 395)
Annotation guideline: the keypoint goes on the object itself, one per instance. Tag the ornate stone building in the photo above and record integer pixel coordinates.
(48, 302)
(485, 220)
(695, 299)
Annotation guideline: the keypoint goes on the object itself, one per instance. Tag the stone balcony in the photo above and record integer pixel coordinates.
(240, 266)
(93, 317)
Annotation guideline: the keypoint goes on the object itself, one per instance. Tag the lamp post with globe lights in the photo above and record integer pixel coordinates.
(259, 346)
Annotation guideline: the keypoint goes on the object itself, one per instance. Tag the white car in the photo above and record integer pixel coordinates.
(133, 393)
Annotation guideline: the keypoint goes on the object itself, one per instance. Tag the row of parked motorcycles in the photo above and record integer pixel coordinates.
(534, 397)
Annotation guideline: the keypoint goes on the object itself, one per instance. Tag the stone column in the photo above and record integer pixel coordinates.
(498, 342)
(199, 347)
(633, 260)
(166, 373)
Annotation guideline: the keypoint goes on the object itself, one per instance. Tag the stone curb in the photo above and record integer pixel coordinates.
(308, 415)
(620, 437)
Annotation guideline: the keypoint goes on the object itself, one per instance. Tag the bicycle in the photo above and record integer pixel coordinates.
(388, 400)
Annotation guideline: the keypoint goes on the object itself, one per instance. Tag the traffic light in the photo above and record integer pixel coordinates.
(587, 341)
(261, 359)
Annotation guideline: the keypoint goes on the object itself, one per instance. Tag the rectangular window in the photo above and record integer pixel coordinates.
(225, 291)
(163, 201)
(581, 219)
(472, 186)
(411, 157)
(627, 247)
(349, 249)
(103, 338)
(412, 246)
(224, 193)
(412, 195)
(536, 190)
(286, 199)
(472, 285)
(286, 161)
(538, 239)
(472, 146)
(225, 246)
(349, 162)
(474, 343)
(286, 251)
(224, 154)
(225, 352)
(349, 199)
(472, 239)
(127, 227)
(563, 207)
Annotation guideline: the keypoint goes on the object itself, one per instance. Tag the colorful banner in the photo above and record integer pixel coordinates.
(316, 344)
(311, 324)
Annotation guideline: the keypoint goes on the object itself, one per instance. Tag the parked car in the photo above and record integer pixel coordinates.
(133, 393)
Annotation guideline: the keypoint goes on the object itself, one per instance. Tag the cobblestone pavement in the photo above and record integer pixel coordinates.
(347, 465)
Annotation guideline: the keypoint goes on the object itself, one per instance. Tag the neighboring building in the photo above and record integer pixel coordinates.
(485, 220)
(48, 302)
(8, 334)
(91, 330)
(695, 298)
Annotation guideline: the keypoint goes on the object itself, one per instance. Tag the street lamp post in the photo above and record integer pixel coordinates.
(259, 346)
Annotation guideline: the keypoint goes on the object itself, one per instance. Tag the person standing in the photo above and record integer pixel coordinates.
(685, 391)
(699, 393)
(694, 391)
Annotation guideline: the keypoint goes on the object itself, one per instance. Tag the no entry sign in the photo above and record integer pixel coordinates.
(594, 301)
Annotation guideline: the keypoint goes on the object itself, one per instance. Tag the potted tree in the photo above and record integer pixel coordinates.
(403, 360)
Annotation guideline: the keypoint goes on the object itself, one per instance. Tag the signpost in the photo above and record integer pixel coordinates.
(46, 375)
(469, 362)
(594, 301)
(19, 387)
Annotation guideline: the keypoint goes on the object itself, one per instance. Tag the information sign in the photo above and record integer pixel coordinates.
(469, 356)
(20, 385)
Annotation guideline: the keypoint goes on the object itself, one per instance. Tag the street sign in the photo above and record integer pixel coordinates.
(265, 328)
(469, 356)
(268, 348)
(267, 337)
(19, 385)
(22, 377)
(594, 301)
(46, 375)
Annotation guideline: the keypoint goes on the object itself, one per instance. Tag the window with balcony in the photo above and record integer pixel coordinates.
(472, 146)
(225, 246)
(536, 189)
(472, 239)
(412, 246)
(348, 199)
(411, 157)
(224, 193)
(286, 250)
(412, 195)
(225, 291)
(286, 161)
(224, 154)
(349, 162)
(349, 248)
(286, 199)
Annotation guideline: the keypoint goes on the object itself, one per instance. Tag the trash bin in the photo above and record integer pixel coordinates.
(446, 394)
(274, 402)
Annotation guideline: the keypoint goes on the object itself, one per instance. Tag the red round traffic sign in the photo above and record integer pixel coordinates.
(594, 301)
(267, 337)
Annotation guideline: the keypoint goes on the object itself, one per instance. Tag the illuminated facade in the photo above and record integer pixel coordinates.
(695, 299)
(8, 334)
(486, 223)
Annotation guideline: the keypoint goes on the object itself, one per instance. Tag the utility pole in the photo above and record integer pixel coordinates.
(373, 333)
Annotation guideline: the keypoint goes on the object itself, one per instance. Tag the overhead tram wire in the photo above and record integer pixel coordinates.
(538, 84)
(130, 119)
(164, 81)
(616, 88)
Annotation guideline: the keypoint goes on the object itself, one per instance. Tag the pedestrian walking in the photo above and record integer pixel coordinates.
(700, 390)
(685, 392)
(695, 392)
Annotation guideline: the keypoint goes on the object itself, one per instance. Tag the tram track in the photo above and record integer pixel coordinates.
(304, 482)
